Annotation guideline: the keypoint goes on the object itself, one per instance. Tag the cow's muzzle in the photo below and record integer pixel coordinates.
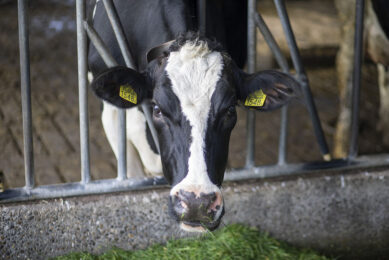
(197, 212)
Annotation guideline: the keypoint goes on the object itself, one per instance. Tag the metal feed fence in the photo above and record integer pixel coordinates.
(122, 183)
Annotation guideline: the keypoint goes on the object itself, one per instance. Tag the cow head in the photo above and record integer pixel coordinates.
(194, 90)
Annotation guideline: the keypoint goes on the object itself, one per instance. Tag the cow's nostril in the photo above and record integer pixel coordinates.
(192, 207)
(216, 202)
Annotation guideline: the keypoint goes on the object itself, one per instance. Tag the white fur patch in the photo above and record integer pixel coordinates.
(141, 160)
(194, 71)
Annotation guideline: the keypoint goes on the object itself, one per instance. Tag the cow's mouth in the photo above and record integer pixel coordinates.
(197, 220)
(199, 227)
(195, 226)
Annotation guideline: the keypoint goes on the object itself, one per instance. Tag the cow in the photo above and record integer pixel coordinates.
(376, 37)
(192, 87)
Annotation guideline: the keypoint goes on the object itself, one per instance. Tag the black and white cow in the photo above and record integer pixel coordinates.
(193, 87)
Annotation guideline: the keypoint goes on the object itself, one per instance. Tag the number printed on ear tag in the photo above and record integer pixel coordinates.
(127, 93)
(255, 99)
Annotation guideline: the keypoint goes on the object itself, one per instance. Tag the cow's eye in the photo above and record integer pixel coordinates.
(156, 111)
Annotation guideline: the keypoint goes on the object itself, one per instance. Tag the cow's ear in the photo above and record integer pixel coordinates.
(266, 90)
(122, 87)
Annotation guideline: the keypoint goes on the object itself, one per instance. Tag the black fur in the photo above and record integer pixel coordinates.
(149, 23)
(107, 86)
(195, 37)
(174, 131)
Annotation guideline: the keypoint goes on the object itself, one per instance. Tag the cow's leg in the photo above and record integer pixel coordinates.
(344, 67)
(383, 84)
(110, 123)
(136, 132)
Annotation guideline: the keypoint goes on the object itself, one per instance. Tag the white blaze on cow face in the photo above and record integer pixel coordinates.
(194, 71)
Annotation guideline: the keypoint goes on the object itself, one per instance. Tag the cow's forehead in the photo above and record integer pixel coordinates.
(194, 71)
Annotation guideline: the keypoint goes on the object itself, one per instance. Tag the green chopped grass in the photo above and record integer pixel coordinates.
(231, 242)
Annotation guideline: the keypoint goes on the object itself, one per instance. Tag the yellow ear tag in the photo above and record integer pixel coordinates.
(255, 99)
(127, 93)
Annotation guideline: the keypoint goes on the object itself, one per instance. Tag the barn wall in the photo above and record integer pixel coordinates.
(342, 213)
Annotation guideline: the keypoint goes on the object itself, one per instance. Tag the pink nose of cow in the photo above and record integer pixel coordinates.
(198, 210)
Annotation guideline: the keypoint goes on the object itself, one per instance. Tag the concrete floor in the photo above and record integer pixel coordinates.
(342, 214)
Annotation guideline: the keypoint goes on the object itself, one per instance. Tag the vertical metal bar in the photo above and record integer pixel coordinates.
(83, 91)
(282, 62)
(128, 59)
(358, 53)
(122, 140)
(282, 143)
(251, 36)
(302, 78)
(122, 155)
(250, 141)
(26, 93)
(251, 57)
(202, 16)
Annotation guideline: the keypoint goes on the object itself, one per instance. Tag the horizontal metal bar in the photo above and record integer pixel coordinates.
(270, 171)
(77, 189)
(362, 163)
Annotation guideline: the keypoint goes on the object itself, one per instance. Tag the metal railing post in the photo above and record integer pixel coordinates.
(282, 143)
(26, 93)
(83, 91)
(356, 90)
(110, 62)
(122, 155)
(251, 58)
(302, 78)
(283, 63)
